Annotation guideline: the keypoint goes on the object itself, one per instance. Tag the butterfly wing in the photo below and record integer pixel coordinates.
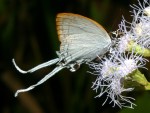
(81, 38)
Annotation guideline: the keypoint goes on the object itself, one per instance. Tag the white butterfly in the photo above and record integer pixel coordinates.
(82, 40)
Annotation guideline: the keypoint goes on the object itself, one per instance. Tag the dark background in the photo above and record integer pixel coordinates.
(28, 34)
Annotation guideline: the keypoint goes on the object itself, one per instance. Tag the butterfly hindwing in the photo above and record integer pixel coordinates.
(80, 37)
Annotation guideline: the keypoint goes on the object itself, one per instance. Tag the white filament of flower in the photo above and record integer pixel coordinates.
(111, 71)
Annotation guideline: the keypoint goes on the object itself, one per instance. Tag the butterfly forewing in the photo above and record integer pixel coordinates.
(68, 24)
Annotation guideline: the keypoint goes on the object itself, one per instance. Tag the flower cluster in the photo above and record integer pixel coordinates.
(136, 34)
(112, 73)
(131, 45)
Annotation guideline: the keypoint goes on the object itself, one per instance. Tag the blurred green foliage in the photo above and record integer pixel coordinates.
(28, 34)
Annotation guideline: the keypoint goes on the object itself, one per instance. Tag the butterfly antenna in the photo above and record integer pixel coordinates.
(57, 69)
(51, 62)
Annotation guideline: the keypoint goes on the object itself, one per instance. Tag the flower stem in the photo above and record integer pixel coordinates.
(147, 87)
(139, 78)
(138, 49)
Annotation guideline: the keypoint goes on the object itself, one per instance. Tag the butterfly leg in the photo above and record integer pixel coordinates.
(57, 69)
(51, 62)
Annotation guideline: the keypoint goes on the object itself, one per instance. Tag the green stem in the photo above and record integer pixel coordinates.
(139, 78)
(147, 87)
(138, 49)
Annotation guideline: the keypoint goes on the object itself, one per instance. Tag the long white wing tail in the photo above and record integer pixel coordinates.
(57, 69)
(51, 62)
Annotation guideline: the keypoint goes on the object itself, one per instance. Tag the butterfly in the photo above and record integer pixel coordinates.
(82, 40)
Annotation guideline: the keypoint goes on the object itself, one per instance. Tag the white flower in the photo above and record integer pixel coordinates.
(123, 42)
(123, 36)
(147, 11)
(112, 72)
(137, 31)
(128, 62)
(140, 26)
(141, 30)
